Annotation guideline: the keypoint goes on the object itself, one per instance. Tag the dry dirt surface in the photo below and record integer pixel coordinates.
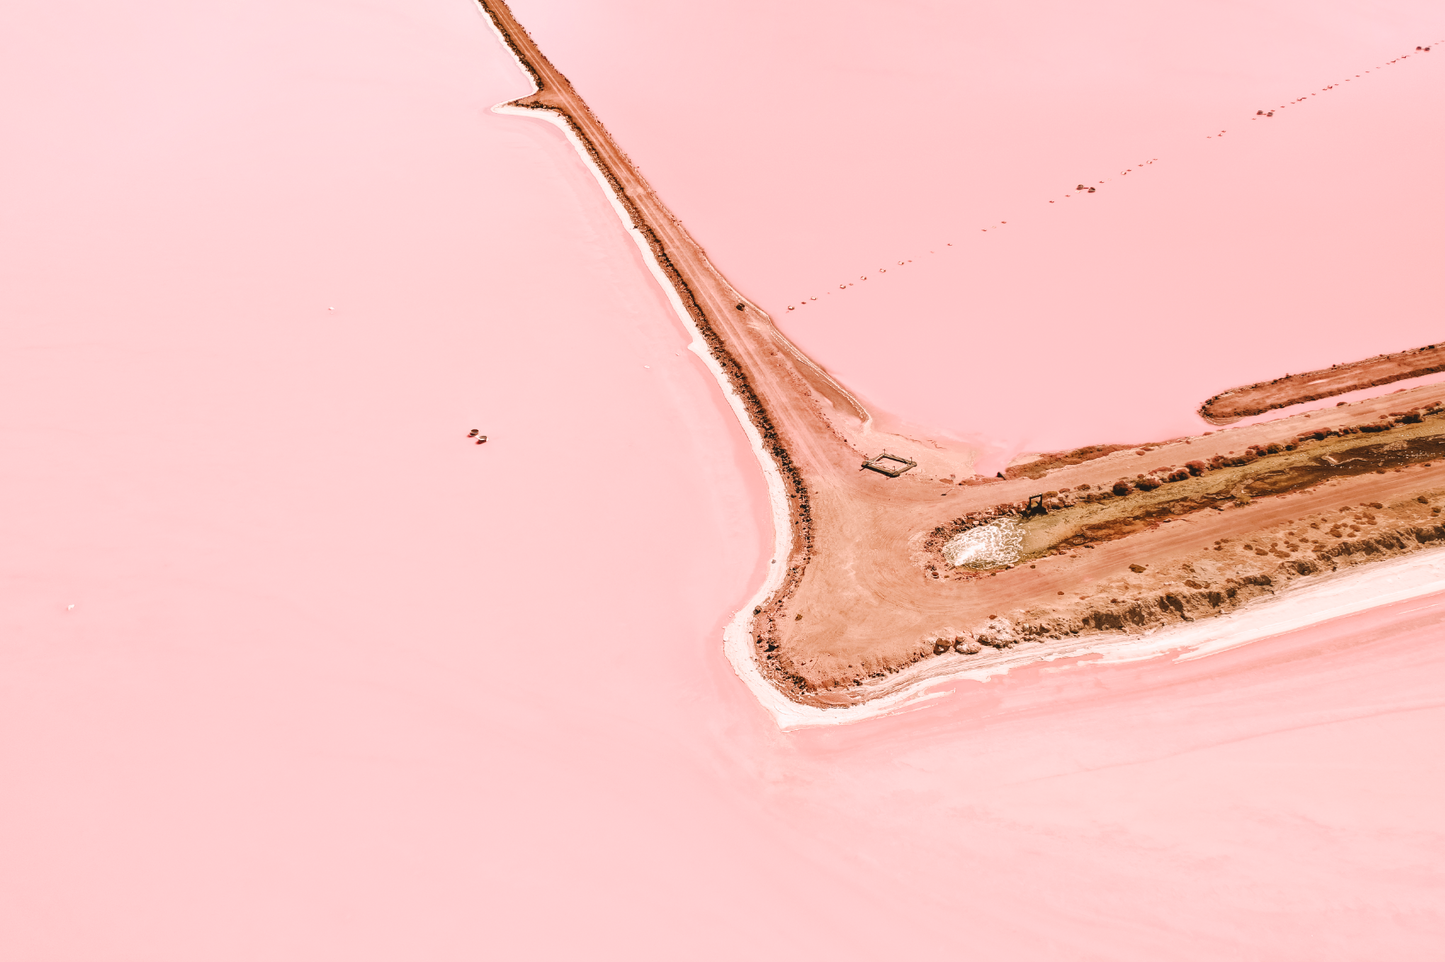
(866, 592)
(1282, 392)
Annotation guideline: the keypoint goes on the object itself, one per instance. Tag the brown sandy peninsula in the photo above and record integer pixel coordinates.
(1128, 537)
(1251, 399)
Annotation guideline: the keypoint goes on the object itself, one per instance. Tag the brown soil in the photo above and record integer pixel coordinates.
(1252, 399)
(864, 571)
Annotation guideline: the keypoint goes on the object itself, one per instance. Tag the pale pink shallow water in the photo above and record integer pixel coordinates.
(810, 146)
(339, 684)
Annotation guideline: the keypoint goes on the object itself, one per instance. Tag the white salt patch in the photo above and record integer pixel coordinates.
(988, 546)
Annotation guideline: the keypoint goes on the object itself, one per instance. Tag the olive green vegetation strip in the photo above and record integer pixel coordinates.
(1288, 471)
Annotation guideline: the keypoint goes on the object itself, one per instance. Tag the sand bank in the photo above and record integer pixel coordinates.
(840, 608)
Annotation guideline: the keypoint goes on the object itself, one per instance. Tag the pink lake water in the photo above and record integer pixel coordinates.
(809, 147)
(338, 683)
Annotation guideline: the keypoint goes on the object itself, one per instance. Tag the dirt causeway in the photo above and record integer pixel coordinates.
(1282, 392)
(1132, 537)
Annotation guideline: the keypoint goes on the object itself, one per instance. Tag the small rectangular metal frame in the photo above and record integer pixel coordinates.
(878, 464)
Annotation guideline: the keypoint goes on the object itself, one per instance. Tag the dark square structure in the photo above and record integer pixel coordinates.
(889, 464)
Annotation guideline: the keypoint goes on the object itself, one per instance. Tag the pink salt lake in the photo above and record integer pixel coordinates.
(338, 683)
